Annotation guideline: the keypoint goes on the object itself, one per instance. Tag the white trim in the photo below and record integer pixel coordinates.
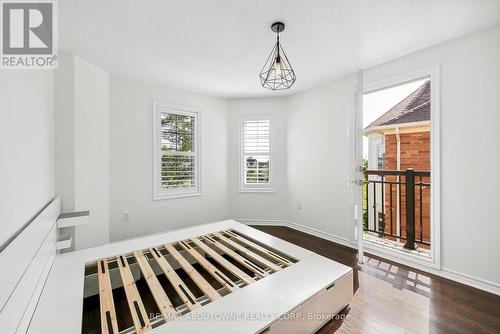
(358, 162)
(268, 222)
(473, 281)
(436, 165)
(405, 257)
(158, 192)
(420, 264)
(452, 275)
(190, 194)
(298, 227)
(257, 191)
(330, 237)
(434, 73)
(397, 80)
(258, 188)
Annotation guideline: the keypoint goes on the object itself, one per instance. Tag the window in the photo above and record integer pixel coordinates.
(256, 155)
(176, 161)
(380, 156)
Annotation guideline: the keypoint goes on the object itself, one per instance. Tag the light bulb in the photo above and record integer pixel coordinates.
(278, 67)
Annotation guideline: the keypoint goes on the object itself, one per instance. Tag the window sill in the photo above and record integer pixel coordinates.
(258, 191)
(160, 197)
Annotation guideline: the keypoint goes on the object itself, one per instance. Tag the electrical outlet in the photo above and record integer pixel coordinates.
(299, 206)
(127, 216)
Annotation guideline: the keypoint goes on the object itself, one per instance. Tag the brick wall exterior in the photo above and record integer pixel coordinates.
(415, 153)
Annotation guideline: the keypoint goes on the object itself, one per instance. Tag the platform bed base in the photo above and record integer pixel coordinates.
(310, 316)
(149, 287)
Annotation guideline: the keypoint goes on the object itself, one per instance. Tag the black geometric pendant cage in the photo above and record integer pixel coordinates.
(277, 73)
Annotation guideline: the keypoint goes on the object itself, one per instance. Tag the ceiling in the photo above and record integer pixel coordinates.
(218, 47)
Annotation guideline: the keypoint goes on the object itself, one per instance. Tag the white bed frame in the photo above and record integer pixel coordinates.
(26, 263)
(42, 292)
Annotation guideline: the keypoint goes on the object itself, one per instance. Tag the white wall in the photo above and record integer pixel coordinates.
(82, 146)
(26, 146)
(470, 154)
(91, 152)
(261, 206)
(131, 153)
(318, 161)
(65, 131)
(470, 148)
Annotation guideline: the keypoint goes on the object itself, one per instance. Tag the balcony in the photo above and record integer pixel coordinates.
(396, 209)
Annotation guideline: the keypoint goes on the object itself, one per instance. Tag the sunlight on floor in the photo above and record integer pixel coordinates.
(390, 299)
(387, 308)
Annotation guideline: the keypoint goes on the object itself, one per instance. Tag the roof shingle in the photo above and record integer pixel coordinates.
(416, 107)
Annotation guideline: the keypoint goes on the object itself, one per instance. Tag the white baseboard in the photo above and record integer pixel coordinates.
(475, 282)
(263, 222)
(452, 275)
(320, 234)
(298, 227)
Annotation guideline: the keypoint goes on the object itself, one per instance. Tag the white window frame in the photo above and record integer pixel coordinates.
(433, 72)
(257, 188)
(160, 193)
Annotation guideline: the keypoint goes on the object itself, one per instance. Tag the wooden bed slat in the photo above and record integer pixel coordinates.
(109, 324)
(244, 262)
(137, 310)
(207, 289)
(159, 295)
(259, 247)
(223, 262)
(216, 273)
(248, 252)
(182, 290)
(215, 252)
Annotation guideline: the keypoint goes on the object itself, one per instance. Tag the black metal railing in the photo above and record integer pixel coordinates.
(395, 198)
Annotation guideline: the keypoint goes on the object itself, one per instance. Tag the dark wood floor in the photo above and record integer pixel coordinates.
(392, 298)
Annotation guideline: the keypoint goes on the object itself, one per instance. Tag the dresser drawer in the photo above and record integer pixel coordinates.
(317, 311)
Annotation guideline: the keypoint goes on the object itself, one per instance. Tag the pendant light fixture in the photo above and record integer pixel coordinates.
(277, 73)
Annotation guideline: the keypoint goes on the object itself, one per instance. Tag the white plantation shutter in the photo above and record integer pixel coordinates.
(176, 162)
(178, 171)
(257, 136)
(257, 154)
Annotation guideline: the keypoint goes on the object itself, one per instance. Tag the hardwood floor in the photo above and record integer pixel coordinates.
(392, 298)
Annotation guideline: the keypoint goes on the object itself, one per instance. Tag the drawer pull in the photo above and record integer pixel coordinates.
(330, 286)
